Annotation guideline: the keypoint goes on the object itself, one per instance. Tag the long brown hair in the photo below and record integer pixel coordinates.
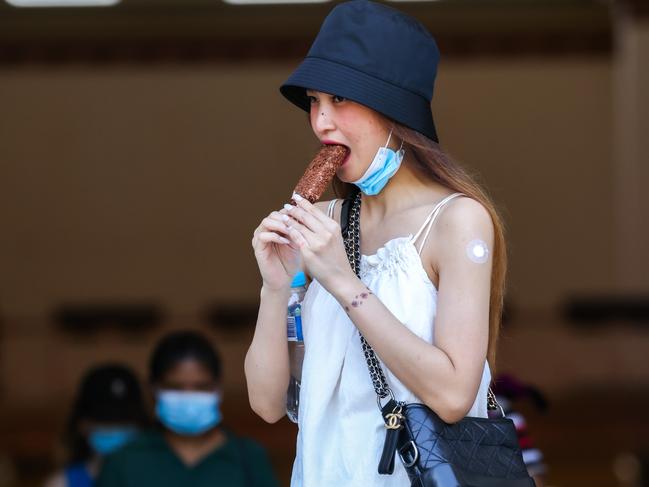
(432, 161)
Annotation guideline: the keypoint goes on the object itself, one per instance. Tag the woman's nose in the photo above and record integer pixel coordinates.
(323, 121)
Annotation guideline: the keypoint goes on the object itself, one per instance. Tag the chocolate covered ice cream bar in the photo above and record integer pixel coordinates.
(320, 172)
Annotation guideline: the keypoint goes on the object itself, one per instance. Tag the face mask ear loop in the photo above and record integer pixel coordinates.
(387, 144)
(401, 152)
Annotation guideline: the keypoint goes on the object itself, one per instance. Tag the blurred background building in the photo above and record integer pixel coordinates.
(141, 143)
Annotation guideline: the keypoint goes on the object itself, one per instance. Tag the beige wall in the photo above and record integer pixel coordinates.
(631, 148)
(130, 182)
(139, 182)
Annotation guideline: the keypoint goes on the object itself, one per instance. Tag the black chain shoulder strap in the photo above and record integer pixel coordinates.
(351, 237)
(350, 224)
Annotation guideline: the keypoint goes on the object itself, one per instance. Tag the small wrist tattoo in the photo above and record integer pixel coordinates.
(358, 299)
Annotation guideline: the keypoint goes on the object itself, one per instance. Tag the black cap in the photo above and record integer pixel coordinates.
(110, 393)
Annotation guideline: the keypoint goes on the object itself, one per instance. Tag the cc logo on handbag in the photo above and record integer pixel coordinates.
(393, 420)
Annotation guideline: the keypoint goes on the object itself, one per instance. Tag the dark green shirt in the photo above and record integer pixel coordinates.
(149, 461)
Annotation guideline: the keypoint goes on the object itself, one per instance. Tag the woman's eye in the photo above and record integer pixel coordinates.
(338, 99)
(312, 99)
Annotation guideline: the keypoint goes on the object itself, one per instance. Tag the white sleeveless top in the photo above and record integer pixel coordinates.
(341, 431)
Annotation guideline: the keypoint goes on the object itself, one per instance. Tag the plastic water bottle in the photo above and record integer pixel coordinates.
(295, 344)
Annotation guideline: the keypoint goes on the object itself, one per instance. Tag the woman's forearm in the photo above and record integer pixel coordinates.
(266, 364)
(428, 371)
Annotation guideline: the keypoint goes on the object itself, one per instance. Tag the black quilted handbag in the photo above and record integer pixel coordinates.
(474, 452)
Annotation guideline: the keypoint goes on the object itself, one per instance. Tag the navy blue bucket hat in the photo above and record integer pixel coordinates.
(374, 55)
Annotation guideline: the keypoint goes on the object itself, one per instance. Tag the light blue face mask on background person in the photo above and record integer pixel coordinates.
(105, 440)
(188, 412)
(385, 164)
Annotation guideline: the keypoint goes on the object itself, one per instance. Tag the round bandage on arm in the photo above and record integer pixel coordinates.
(477, 251)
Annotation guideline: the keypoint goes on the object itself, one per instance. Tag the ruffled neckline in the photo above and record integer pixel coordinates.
(397, 254)
(386, 248)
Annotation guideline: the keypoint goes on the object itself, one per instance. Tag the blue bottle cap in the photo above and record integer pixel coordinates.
(299, 280)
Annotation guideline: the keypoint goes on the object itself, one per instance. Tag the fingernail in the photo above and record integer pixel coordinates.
(288, 207)
(284, 240)
(285, 218)
(297, 197)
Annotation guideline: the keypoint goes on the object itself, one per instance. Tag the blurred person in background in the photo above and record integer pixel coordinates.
(190, 448)
(108, 413)
(510, 392)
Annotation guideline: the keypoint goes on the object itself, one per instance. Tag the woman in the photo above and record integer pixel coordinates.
(429, 296)
(191, 448)
(107, 414)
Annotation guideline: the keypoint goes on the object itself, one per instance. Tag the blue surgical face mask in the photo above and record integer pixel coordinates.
(385, 164)
(188, 413)
(105, 440)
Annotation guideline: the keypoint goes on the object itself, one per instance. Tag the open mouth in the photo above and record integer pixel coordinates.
(346, 156)
(348, 152)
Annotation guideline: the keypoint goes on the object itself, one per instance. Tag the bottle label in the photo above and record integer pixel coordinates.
(298, 325)
(290, 328)
(294, 324)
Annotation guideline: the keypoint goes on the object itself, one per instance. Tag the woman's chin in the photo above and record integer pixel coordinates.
(344, 175)
(344, 179)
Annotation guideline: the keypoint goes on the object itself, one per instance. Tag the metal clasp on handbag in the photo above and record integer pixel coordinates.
(409, 454)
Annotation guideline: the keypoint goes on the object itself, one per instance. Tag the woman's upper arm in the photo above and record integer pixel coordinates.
(463, 241)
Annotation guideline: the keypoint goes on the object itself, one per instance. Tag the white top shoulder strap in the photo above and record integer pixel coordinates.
(430, 220)
(330, 208)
